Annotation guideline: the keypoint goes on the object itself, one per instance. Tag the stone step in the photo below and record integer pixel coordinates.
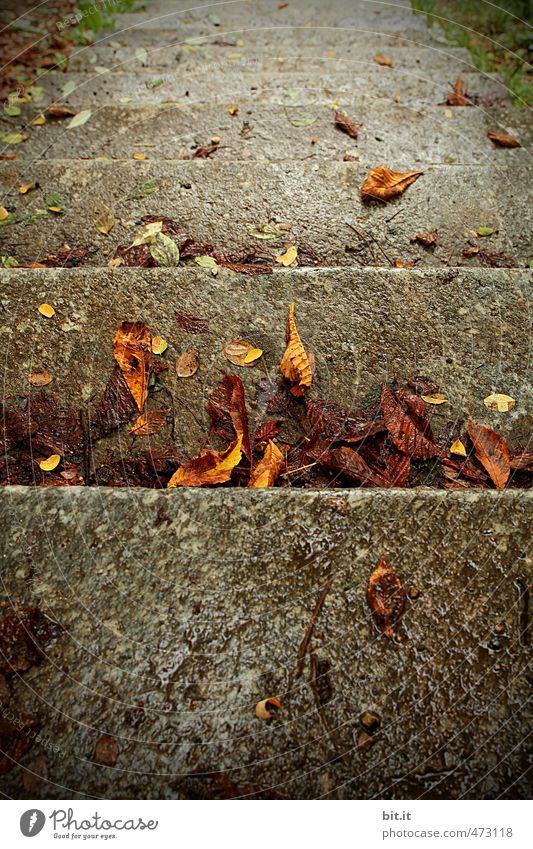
(407, 135)
(344, 87)
(168, 598)
(319, 203)
(466, 330)
(437, 63)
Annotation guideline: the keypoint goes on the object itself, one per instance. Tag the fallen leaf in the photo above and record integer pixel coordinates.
(26, 188)
(39, 121)
(241, 353)
(503, 140)
(165, 251)
(458, 96)
(159, 345)
(132, 351)
(349, 463)
(54, 204)
(106, 750)
(485, 231)
(227, 411)
(139, 157)
(206, 261)
(211, 467)
(347, 125)
(233, 110)
(265, 231)
(40, 378)
(4, 214)
(428, 240)
(383, 60)
(79, 119)
(192, 323)
(295, 365)
(471, 251)
(149, 423)
(103, 217)
(55, 111)
(147, 234)
(384, 184)
(386, 598)
(187, 363)
(299, 120)
(148, 187)
(141, 55)
(14, 138)
(46, 310)
(492, 452)
(458, 448)
(204, 152)
(263, 708)
(290, 255)
(51, 463)
(269, 467)
(436, 398)
(499, 403)
(409, 436)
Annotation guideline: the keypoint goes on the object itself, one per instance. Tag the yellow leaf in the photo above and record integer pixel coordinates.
(436, 398)
(269, 467)
(262, 708)
(51, 463)
(104, 218)
(295, 365)
(288, 257)
(383, 60)
(26, 188)
(458, 448)
(211, 467)
(499, 403)
(46, 310)
(40, 378)
(233, 110)
(138, 156)
(241, 353)
(116, 262)
(3, 213)
(39, 121)
(384, 184)
(159, 345)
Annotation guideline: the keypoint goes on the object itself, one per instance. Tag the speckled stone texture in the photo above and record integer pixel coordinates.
(192, 606)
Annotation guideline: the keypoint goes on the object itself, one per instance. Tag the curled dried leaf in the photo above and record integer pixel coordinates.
(269, 467)
(386, 598)
(436, 398)
(241, 353)
(428, 240)
(499, 402)
(458, 96)
(295, 365)
(40, 378)
(503, 140)
(384, 184)
(50, 463)
(211, 467)
(290, 255)
(347, 125)
(383, 60)
(458, 448)
(104, 218)
(132, 351)
(187, 363)
(263, 709)
(55, 111)
(492, 452)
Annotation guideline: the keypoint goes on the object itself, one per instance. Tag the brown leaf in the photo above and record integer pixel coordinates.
(490, 259)
(40, 378)
(241, 353)
(55, 111)
(338, 424)
(204, 152)
(386, 598)
(106, 750)
(409, 435)
(211, 467)
(263, 709)
(347, 125)
(149, 423)
(269, 467)
(348, 462)
(269, 430)
(428, 240)
(503, 140)
(187, 363)
(384, 184)
(492, 452)
(133, 351)
(227, 409)
(114, 408)
(458, 96)
(295, 365)
(522, 462)
(192, 323)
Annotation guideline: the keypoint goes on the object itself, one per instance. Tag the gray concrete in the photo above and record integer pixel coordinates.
(193, 605)
(465, 330)
(218, 202)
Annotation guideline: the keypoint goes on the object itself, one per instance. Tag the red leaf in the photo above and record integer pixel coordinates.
(348, 462)
(406, 434)
(492, 452)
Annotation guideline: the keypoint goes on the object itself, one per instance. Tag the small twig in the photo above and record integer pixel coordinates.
(299, 469)
(311, 627)
(394, 216)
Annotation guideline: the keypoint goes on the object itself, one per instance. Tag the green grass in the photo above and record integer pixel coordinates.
(97, 17)
(500, 40)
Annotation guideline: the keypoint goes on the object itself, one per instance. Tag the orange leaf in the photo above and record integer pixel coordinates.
(295, 365)
(503, 140)
(209, 468)
(132, 344)
(60, 111)
(492, 452)
(383, 60)
(148, 423)
(227, 409)
(458, 96)
(386, 598)
(384, 184)
(268, 469)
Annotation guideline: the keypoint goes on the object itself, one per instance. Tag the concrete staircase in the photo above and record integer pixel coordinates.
(186, 608)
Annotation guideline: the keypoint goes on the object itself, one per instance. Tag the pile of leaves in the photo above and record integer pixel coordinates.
(300, 440)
